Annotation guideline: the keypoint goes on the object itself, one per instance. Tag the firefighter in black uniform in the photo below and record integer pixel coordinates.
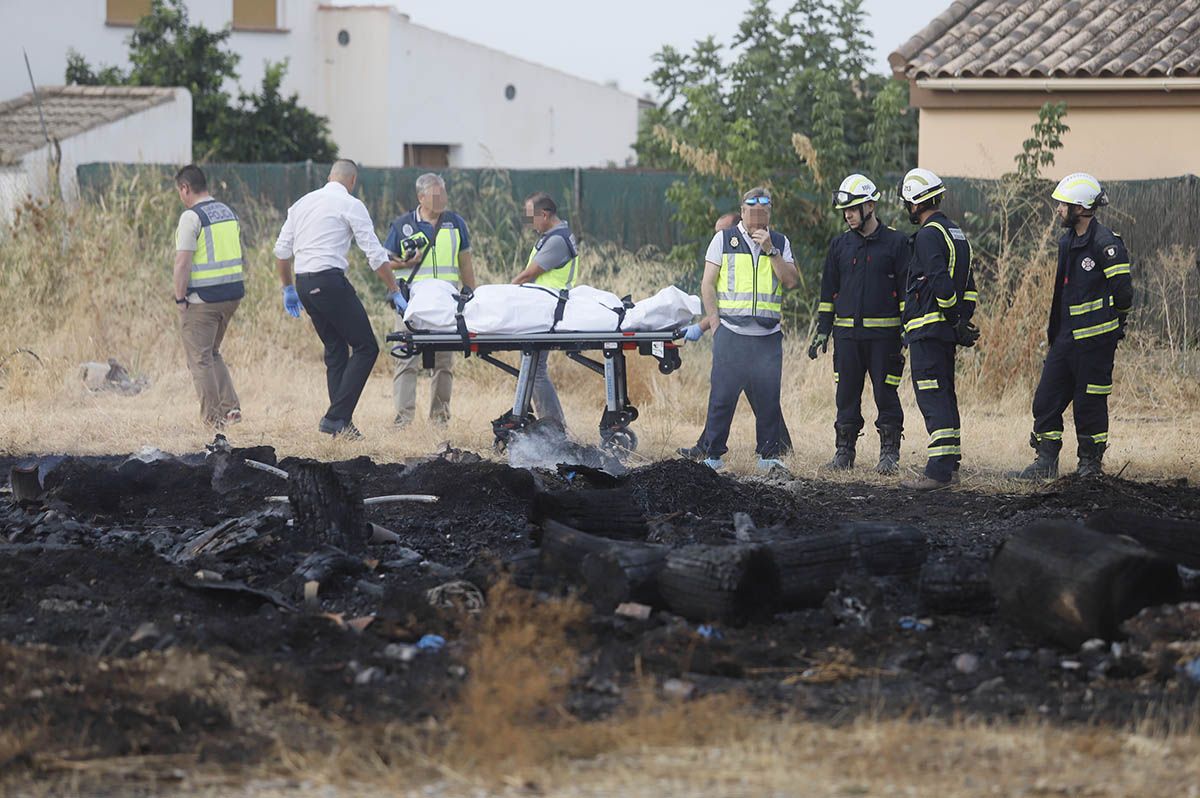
(861, 294)
(938, 305)
(1093, 294)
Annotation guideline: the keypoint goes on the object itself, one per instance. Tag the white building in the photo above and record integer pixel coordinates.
(84, 124)
(396, 93)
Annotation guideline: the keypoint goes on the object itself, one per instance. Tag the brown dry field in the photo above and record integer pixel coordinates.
(116, 304)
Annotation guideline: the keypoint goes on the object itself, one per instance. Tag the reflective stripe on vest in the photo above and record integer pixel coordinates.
(218, 256)
(442, 261)
(560, 278)
(744, 287)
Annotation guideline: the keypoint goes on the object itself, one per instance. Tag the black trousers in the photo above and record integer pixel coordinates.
(750, 364)
(853, 360)
(932, 363)
(342, 324)
(1078, 373)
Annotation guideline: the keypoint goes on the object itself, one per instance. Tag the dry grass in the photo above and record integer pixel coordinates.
(93, 283)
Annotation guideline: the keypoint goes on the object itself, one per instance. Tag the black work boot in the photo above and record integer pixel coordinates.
(889, 450)
(846, 440)
(1045, 461)
(1091, 458)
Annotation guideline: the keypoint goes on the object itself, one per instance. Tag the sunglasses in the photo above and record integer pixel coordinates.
(757, 201)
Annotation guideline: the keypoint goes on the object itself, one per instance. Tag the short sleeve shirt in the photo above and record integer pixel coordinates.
(188, 233)
(554, 253)
(411, 222)
(713, 255)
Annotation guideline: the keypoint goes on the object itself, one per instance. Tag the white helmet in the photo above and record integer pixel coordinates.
(920, 185)
(1080, 189)
(855, 190)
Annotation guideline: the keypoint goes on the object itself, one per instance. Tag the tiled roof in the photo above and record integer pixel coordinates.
(69, 110)
(1056, 39)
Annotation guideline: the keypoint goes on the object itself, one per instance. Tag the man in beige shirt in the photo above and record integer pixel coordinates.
(208, 289)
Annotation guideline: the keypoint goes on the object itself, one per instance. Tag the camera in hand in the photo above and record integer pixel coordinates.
(413, 244)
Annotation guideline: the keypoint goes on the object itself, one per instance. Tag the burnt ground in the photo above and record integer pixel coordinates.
(111, 646)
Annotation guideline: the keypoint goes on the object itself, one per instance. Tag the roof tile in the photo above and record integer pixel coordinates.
(69, 110)
(1056, 38)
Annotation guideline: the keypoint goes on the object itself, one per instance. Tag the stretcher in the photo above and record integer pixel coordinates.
(618, 412)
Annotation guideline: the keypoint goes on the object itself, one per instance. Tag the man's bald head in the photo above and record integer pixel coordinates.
(344, 171)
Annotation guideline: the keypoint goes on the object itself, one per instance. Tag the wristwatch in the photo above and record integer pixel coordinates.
(772, 253)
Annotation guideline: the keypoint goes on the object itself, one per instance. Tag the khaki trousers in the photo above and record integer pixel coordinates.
(203, 328)
(404, 385)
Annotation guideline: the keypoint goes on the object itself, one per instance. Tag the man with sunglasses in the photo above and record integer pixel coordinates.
(861, 300)
(746, 268)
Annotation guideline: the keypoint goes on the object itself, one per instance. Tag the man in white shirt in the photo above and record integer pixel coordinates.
(746, 268)
(317, 235)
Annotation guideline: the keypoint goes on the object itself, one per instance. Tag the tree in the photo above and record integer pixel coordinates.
(166, 50)
(269, 127)
(789, 104)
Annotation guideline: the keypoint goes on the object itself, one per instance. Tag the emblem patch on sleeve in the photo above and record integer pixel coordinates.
(1111, 252)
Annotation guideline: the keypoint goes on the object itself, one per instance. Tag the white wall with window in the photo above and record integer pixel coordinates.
(396, 93)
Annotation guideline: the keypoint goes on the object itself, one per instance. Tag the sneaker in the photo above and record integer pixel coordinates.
(340, 429)
(691, 453)
(767, 464)
(715, 463)
(234, 416)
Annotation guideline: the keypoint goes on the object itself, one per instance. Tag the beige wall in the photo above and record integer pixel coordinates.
(1111, 143)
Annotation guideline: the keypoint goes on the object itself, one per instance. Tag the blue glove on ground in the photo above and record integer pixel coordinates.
(398, 301)
(291, 301)
(692, 332)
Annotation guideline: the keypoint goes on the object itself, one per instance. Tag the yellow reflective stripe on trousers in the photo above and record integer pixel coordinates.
(1100, 437)
(942, 451)
(970, 296)
(1115, 269)
(1086, 307)
(1052, 435)
(842, 321)
(938, 434)
(1097, 329)
(825, 307)
(926, 385)
(893, 379)
(1099, 390)
(835, 376)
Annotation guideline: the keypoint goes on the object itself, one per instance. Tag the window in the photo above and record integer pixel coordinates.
(427, 156)
(125, 12)
(255, 14)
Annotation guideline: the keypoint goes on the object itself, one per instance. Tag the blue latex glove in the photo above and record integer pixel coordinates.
(291, 301)
(692, 332)
(398, 301)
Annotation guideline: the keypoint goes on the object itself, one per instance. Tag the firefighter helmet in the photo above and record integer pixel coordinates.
(1080, 189)
(855, 190)
(920, 185)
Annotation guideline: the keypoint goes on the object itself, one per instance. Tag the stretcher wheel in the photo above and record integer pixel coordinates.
(621, 440)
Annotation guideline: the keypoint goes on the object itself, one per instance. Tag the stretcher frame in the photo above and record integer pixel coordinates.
(618, 412)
